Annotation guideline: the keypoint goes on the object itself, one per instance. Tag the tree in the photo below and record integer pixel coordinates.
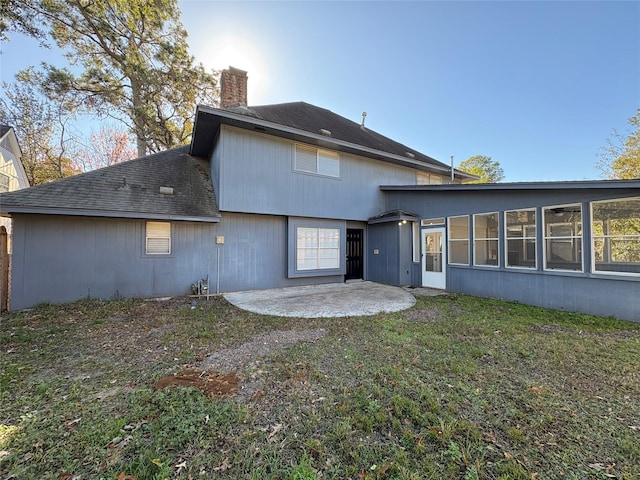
(107, 147)
(41, 126)
(488, 170)
(621, 157)
(135, 65)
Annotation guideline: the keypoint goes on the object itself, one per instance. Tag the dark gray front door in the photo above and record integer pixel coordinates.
(355, 259)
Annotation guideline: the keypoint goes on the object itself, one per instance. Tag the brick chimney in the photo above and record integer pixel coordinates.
(233, 88)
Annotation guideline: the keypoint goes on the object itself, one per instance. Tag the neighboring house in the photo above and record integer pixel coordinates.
(293, 194)
(12, 177)
(12, 174)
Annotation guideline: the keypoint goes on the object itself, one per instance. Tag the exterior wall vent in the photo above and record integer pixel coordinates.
(166, 190)
(409, 154)
(326, 133)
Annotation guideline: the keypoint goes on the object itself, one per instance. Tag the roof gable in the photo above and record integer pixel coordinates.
(300, 121)
(127, 189)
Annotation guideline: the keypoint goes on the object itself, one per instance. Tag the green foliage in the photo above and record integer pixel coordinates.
(488, 170)
(130, 62)
(41, 125)
(620, 159)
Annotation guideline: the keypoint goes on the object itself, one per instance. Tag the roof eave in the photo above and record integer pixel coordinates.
(559, 185)
(205, 131)
(8, 210)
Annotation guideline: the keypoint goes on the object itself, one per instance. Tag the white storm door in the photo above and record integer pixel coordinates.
(434, 272)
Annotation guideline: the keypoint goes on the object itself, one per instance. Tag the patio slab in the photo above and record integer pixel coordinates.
(330, 300)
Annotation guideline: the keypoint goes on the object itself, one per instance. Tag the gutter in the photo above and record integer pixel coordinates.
(8, 210)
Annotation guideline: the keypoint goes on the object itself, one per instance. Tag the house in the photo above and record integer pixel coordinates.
(293, 194)
(12, 174)
(12, 177)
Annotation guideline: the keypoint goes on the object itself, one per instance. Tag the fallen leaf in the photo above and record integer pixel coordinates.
(65, 476)
(274, 431)
(225, 465)
(507, 455)
(124, 476)
(181, 465)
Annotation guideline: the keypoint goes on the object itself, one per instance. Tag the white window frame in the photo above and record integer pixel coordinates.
(452, 239)
(317, 249)
(486, 240)
(569, 238)
(158, 238)
(524, 239)
(595, 237)
(327, 162)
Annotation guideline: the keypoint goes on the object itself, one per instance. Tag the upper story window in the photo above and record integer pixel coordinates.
(520, 235)
(317, 160)
(424, 178)
(563, 237)
(4, 182)
(459, 240)
(615, 229)
(158, 238)
(485, 239)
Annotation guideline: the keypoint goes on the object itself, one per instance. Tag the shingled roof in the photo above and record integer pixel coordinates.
(310, 118)
(300, 121)
(130, 189)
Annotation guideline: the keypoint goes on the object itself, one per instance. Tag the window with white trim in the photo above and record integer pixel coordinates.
(485, 239)
(520, 238)
(563, 237)
(158, 238)
(615, 231)
(459, 240)
(317, 248)
(316, 160)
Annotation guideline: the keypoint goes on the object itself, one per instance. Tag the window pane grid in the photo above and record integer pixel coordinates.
(317, 248)
(615, 230)
(459, 240)
(485, 240)
(520, 227)
(563, 238)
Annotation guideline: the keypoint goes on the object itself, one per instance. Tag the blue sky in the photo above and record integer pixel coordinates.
(538, 86)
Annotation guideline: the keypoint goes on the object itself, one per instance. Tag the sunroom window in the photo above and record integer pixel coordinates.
(563, 237)
(615, 227)
(459, 240)
(520, 235)
(485, 239)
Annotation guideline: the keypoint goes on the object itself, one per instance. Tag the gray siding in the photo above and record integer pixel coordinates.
(254, 174)
(612, 295)
(254, 255)
(392, 264)
(596, 296)
(59, 259)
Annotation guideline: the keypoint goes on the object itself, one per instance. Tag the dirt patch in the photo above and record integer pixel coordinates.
(423, 314)
(236, 358)
(212, 384)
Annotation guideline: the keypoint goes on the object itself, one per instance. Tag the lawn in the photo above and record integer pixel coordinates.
(455, 387)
